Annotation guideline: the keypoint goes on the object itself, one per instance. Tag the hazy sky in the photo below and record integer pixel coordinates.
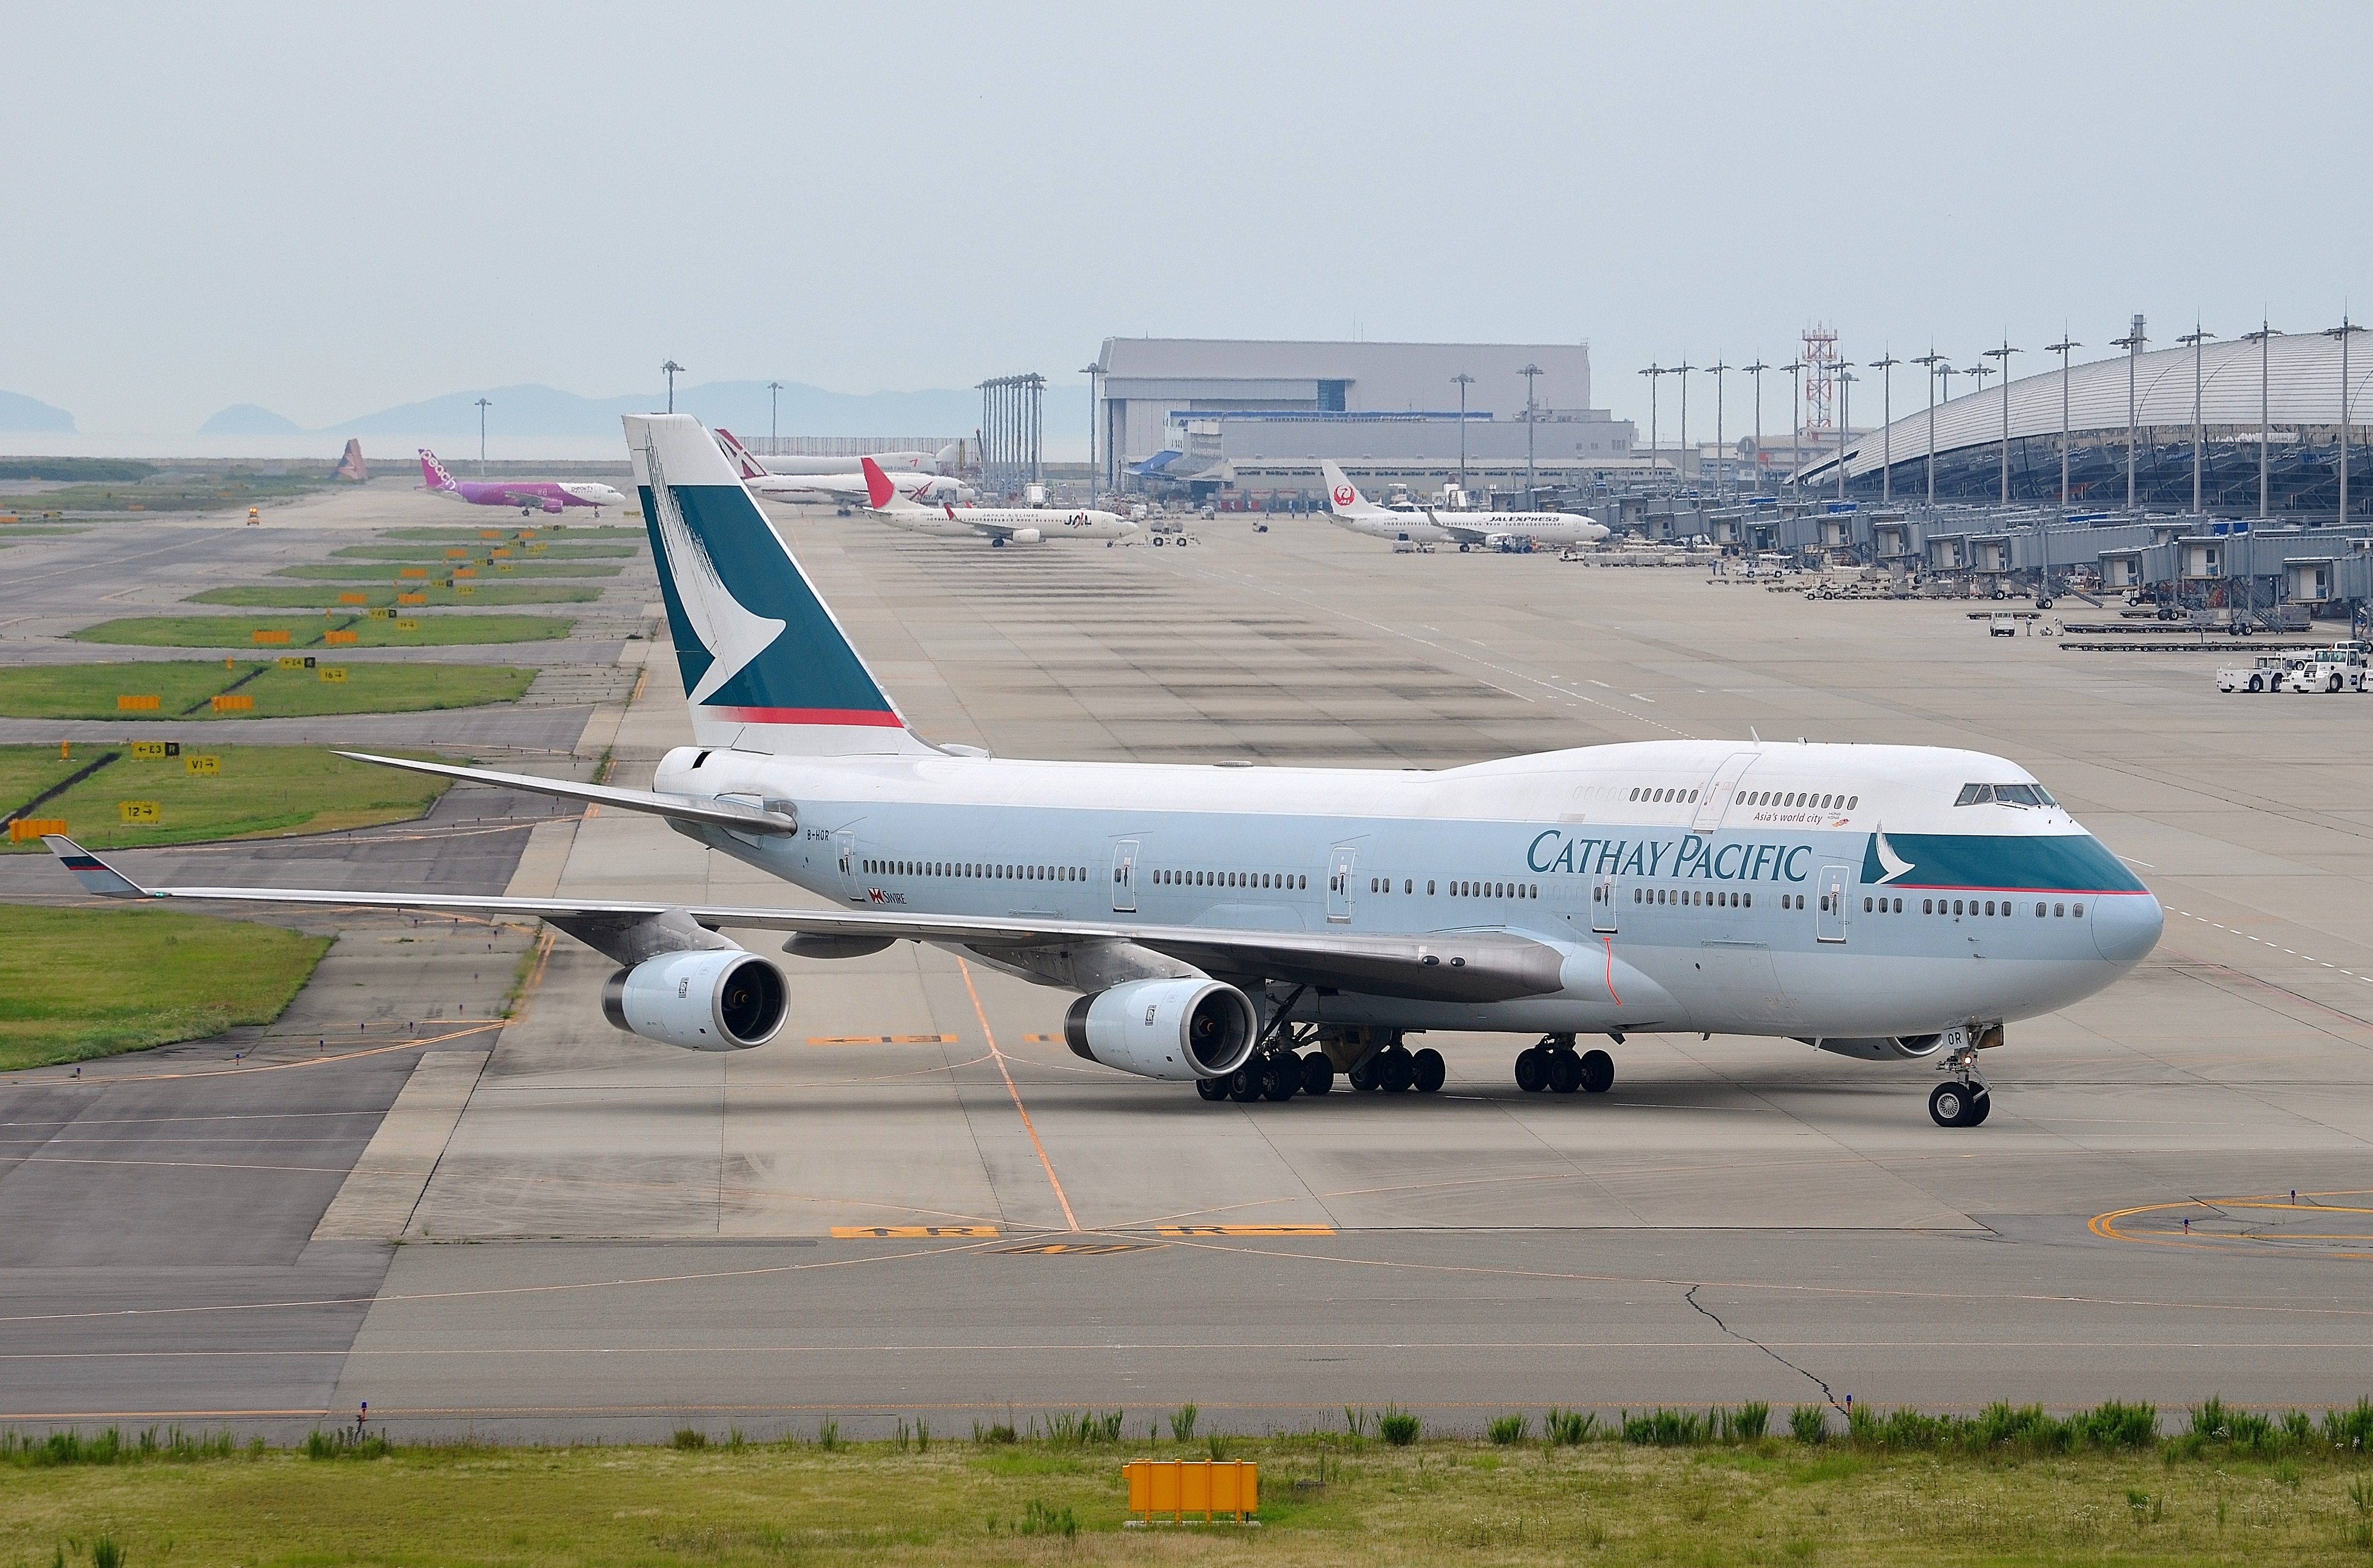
(331, 209)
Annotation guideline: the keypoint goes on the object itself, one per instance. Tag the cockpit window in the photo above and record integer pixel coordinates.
(2005, 795)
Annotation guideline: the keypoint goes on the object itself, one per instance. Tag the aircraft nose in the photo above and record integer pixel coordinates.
(2126, 926)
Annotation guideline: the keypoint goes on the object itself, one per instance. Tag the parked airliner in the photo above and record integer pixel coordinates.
(1431, 525)
(1257, 931)
(528, 495)
(998, 525)
(852, 485)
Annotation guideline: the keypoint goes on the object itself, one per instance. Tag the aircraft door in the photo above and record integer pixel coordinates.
(1124, 875)
(1338, 883)
(852, 881)
(1602, 905)
(1714, 799)
(1829, 906)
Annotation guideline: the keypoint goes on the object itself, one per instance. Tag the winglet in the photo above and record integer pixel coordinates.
(94, 874)
(878, 488)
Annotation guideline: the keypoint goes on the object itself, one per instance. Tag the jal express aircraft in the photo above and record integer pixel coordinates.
(528, 495)
(998, 525)
(1256, 931)
(1424, 525)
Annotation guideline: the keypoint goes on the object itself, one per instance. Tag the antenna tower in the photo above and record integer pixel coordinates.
(1820, 382)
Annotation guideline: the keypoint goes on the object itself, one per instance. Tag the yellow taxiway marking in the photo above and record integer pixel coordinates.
(882, 1039)
(1091, 1248)
(2111, 1225)
(909, 1233)
(1244, 1230)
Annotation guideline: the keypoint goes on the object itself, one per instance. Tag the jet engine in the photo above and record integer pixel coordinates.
(552, 506)
(1884, 1047)
(1025, 536)
(702, 999)
(1180, 1030)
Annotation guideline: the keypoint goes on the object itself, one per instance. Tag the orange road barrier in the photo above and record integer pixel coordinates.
(234, 702)
(25, 829)
(1177, 1488)
(266, 635)
(136, 704)
(412, 599)
(353, 598)
(336, 639)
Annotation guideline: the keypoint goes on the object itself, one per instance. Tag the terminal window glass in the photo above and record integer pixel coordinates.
(1331, 396)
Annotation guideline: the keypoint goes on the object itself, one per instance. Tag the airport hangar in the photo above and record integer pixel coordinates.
(1208, 414)
(2292, 391)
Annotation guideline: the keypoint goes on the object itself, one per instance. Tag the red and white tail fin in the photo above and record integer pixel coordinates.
(1343, 498)
(432, 473)
(749, 466)
(882, 492)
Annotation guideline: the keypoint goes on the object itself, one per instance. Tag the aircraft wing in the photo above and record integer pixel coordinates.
(1465, 966)
(1465, 533)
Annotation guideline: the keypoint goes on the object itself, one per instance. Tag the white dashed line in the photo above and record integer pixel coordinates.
(2261, 942)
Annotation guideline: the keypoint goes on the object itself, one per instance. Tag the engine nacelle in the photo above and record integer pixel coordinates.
(1025, 536)
(704, 1000)
(1180, 1030)
(552, 508)
(1885, 1047)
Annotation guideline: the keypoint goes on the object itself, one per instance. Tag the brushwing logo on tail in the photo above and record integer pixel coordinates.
(1889, 863)
(733, 634)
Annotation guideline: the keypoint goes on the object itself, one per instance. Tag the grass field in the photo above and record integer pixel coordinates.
(379, 595)
(306, 633)
(1336, 1502)
(538, 551)
(81, 983)
(555, 533)
(363, 572)
(260, 790)
(184, 689)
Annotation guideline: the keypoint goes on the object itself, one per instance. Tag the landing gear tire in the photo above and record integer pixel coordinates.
(1245, 1083)
(1317, 1073)
(1429, 1069)
(1957, 1103)
(1532, 1069)
(1398, 1073)
(1281, 1078)
(1212, 1088)
(1363, 1076)
(1598, 1072)
(1565, 1072)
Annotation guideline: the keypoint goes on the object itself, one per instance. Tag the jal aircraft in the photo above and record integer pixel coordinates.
(998, 525)
(915, 485)
(1256, 931)
(528, 495)
(1425, 525)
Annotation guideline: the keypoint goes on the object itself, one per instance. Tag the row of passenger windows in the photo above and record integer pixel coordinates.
(974, 869)
(1460, 888)
(1294, 879)
(1976, 906)
(1695, 897)
(1812, 798)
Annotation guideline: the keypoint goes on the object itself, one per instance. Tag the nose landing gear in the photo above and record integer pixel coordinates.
(1963, 1100)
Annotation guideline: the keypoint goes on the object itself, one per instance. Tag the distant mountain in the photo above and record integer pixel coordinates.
(18, 411)
(249, 419)
(741, 406)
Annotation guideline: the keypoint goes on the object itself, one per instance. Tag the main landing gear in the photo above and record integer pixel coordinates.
(1555, 1066)
(1962, 1100)
(1303, 1062)
(1394, 1068)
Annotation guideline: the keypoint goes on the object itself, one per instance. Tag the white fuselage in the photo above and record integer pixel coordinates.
(1678, 887)
(1469, 528)
(976, 523)
(919, 487)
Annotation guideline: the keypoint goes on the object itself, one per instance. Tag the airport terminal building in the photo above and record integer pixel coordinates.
(1210, 414)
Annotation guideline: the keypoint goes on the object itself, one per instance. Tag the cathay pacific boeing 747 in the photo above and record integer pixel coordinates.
(1256, 931)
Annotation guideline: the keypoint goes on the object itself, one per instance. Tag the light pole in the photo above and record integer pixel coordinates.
(2341, 331)
(671, 369)
(1655, 373)
(1931, 360)
(1721, 457)
(2062, 348)
(1531, 484)
(1886, 368)
(2195, 337)
(774, 424)
(483, 406)
(2265, 335)
(1756, 372)
(1464, 380)
(1092, 370)
(2133, 344)
(1682, 370)
(1795, 369)
(2003, 354)
(1845, 422)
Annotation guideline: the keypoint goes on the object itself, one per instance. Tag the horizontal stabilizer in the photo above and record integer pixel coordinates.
(688, 807)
